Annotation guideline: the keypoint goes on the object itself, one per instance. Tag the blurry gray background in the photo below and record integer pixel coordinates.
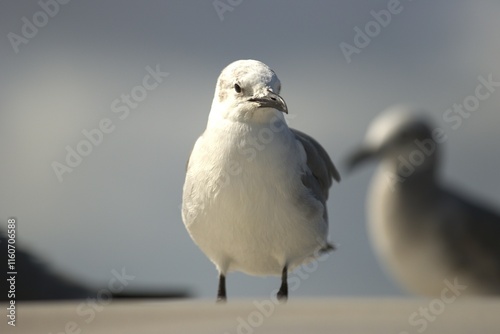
(120, 207)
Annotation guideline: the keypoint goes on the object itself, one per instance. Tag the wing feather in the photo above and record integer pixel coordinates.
(320, 164)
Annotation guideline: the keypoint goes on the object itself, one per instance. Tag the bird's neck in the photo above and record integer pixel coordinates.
(264, 120)
(224, 112)
(410, 180)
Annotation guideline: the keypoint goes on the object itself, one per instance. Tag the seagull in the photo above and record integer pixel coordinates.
(254, 197)
(425, 233)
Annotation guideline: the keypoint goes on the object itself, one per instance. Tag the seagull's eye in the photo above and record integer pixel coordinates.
(237, 88)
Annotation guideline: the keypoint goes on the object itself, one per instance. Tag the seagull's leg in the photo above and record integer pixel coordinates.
(221, 291)
(283, 292)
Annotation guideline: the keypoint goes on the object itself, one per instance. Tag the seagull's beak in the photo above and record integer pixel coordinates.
(358, 157)
(271, 100)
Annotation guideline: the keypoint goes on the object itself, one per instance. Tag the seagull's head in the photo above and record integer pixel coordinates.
(248, 90)
(401, 132)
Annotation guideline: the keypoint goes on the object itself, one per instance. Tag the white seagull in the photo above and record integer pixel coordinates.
(254, 198)
(427, 235)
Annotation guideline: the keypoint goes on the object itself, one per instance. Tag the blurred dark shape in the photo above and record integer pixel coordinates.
(425, 233)
(35, 280)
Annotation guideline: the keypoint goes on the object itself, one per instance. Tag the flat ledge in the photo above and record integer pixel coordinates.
(326, 315)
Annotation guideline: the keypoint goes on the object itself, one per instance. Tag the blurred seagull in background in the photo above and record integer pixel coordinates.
(254, 198)
(426, 234)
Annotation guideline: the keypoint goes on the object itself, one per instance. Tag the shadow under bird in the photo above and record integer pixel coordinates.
(427, 235)
(254, 198)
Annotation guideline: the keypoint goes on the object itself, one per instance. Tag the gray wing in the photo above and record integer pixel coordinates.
(322, 170)
(476, 241)
(320, 165)
(318, 161)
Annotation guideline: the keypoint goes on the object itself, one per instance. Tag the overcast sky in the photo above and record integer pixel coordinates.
(119, 206)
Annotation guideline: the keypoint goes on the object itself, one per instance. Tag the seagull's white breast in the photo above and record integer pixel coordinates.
(405, 237)
(244, 199)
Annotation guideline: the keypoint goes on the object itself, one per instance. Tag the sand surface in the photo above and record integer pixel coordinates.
(329, 315)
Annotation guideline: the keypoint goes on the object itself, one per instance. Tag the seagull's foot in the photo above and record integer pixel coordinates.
(221, 291)
(221, 300)
(282, 294)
